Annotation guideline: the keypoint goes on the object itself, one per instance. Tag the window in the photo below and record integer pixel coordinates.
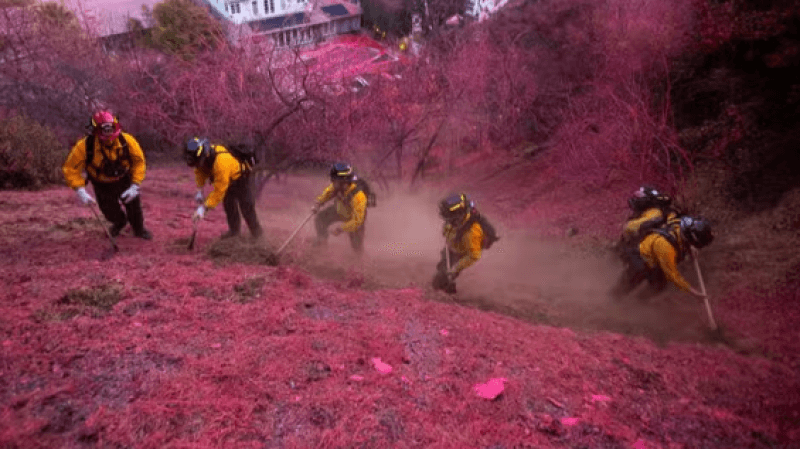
(238, 8)
(269, 6)
(280, 39)
(226, 6)
(255, 8)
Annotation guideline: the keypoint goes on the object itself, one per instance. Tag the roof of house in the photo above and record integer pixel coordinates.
(335, 10)
(277, 22)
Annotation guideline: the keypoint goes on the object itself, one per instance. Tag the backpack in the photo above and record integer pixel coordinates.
(363, 186)
(649, 226)
(489, 232)
(663, 231)
(126, 154)
(244, 153)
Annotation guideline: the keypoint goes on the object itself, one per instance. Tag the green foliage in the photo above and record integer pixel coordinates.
(30, 154)
(56, 15)
(184, 29)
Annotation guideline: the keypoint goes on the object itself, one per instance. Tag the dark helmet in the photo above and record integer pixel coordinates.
(342, 171)
(455, 207)
(197, 150)
(647, 197)
(697, 231)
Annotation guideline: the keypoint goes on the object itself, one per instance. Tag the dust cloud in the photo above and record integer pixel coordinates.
(546, 282)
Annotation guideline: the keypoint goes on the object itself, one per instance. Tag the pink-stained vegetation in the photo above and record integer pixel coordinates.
(215, 348)
(548, 116)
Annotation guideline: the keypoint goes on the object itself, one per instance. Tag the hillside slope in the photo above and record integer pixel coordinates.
(164, 347)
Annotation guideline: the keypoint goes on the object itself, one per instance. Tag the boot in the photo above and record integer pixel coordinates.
(114, 229)
(229, 234)
(144, 234)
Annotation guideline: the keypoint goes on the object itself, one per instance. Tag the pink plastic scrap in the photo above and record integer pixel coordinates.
(380, 366)
(569, 421)
(600, 398)
(491, 389)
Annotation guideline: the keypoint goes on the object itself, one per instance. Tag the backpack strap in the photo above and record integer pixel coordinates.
(671, 238)
(473, 218)
(126, 152)
(89, 149)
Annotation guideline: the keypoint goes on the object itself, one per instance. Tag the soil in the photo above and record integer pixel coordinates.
(161, 346)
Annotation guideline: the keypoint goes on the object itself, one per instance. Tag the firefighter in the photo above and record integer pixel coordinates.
(650, 209)
(232, 183)
(114, 163)
(660, 252)
(349, 208)
(467, 233)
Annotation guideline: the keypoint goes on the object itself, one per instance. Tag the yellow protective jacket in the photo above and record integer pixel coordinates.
(468, 247)
(658, 252)
(224, 170)
(76, 163)
(351, 205)
(649, 218)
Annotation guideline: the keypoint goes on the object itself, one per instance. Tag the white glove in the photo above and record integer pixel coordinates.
(198, 198)
(84, 196)
(199, 213)
(128, 195)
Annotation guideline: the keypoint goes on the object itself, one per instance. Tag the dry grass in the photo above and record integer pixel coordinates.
(242, 250)
(94, 301)
(750, 248)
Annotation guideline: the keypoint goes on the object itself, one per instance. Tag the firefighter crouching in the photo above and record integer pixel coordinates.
(349, 208)
(466, 233)
(650, 209)
(659, 253)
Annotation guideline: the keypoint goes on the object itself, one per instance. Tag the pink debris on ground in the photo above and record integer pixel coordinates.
(569, 421)
(600, 398)
(356, 378)
(639, 444)
(491, 389)
(380, 366)
(444, 332)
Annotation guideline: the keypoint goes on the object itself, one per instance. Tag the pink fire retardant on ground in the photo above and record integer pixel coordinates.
(491, 389)
(380, 366)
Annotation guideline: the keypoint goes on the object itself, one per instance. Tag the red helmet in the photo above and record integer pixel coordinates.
(105, 126)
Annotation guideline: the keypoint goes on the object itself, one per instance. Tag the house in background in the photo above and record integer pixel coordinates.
(291, 22)
(285, 22)
(110, 19)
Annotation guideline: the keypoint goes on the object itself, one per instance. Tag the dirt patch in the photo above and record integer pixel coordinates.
(103, 297)
(241, 250)
(249, 289)
(95, 301)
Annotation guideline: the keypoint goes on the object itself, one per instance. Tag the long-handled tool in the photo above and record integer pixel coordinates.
(194, 234)
(294, 233)
(711, 321)
(108, 234)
